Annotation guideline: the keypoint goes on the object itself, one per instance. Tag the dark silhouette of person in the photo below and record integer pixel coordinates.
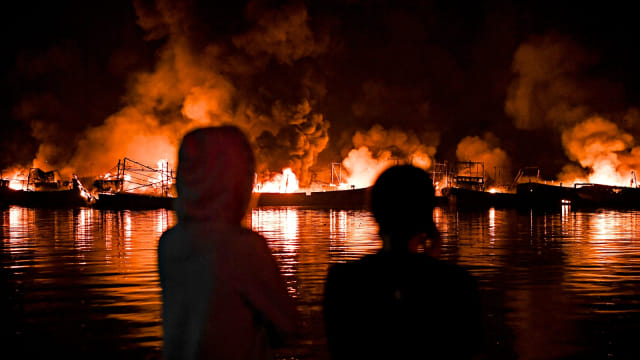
(223, 296)
(402, 302)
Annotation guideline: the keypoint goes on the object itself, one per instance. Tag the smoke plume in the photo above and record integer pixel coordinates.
(555, 88)
(549, 90)
(378, 148)
(485, 150)
(605, 152)
(194, 85)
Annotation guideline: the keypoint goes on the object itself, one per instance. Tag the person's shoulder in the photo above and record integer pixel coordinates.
(250, 239)
(168, 237)
(454, 273)
(363, 266)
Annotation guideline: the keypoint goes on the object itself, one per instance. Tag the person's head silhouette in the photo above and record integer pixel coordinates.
(402, 202)
(216, 167)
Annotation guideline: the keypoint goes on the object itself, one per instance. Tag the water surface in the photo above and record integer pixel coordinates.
(554, 285)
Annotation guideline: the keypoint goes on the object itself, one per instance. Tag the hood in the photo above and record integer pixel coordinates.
(215, 174)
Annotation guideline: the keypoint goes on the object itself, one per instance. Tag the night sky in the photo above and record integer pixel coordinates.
(312, 80)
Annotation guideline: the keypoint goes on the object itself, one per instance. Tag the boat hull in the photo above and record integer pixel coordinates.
(533, 195)
(130, 201)
(606, 196)
(70, 198)
(336, 199)
(468, 198)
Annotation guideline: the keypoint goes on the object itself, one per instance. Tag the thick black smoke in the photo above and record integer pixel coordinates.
(88, 84)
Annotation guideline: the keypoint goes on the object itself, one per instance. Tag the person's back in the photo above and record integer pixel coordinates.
(399, 303)
(223, 296)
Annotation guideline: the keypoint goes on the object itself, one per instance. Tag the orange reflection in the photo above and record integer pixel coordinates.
(83, 231)
(337, 225)
(128, 270)
(353, 234)
(492, 225)
(280, 227)
(126, 218)
(439, 218)
(476, 240)
(279, 223)
(19, 223)
(607, 250)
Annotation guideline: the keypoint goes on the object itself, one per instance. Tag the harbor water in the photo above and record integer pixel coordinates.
(82, 283)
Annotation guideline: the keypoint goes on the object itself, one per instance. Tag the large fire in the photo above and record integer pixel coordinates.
(287, 182)
(602, 154)
(603, 148)
(17, 181)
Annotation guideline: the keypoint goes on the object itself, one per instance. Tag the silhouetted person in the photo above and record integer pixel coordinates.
(222, 292)
(402, 303)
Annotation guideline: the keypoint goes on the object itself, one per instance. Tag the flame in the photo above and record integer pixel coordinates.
(364, 168)
(287, 182)
(377, 149)
(163, 176)
(18, 180)
(83, 191)
(145, 181)
(604, 151)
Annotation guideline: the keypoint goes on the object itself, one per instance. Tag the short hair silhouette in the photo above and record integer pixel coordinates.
(402, 302)
(402, 201)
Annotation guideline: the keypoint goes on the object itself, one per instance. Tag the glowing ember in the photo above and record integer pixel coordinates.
(287, 182)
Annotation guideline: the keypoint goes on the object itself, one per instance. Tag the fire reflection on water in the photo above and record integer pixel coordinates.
(83, 226)
(20, 223)
(281, 226)
(89, 266)
(546, 277)
(607, 253)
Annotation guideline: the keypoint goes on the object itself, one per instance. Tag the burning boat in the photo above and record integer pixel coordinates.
(330, 199)
(588, 195)
(534, 192)
(136, 186)
(466, 187)
(44, 189)
(283, 190)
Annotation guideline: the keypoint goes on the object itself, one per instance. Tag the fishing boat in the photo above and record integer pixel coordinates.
(589, 195)
(45, 190)
(467, 188)
(330, 199)
(132, 185)
(534, 192)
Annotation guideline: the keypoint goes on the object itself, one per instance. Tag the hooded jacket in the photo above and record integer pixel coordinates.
(222, 292)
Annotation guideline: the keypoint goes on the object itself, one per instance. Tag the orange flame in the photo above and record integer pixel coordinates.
(287, 182)
(18, 180)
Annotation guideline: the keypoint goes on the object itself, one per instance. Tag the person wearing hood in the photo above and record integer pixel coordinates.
(223, 296)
